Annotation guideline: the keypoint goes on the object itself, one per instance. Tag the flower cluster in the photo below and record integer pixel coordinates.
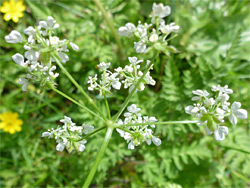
(129, 76)
(212, 111)
(108, 79)
(69, 135)
(153, 34)
(137, 134)
(39, 45)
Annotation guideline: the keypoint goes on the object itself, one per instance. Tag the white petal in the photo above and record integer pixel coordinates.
(208, 131)
(233, 119)
(235, 106)
(64, 57)
(156, 141)
(14, 37)
(240, 113)
(32, 55)
(19, 59)
(60, 147)
(45, 134)
(74, 46)
(219, 134)
(131, 145)
(81, 147)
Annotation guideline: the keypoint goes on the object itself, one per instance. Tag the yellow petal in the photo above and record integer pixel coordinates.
(7, 17)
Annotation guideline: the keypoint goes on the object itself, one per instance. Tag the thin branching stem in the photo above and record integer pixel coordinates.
(56, 58)
(107, 106)
(99, 157)
(156, 123)
(77, 103)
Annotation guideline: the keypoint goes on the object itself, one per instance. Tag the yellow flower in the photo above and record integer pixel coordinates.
(12, 10)
(10, 122)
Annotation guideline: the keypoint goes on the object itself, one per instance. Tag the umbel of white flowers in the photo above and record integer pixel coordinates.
(136, 135)
(40, 42)
(212, 111)
(129, 76)
(69, 135)
(153, 34)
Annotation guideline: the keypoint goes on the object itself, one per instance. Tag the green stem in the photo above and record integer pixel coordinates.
(132, 92)
(109, 22)
(56, 58)
(107, 106)
(155, 123)
(99, 157)
(90, 134)
(79, 104)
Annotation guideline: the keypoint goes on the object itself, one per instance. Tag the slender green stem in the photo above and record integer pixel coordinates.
(132, 92)
(90, 134)
(56, 58)
(126, 130)
(99, 157)
(155, 123)
(79, 104)
(109, 22)
(107, 106)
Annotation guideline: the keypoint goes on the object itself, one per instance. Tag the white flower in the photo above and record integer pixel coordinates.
(64, 57)
(82, 147)
(127, 30)
(237, 113)
(30, 31)
(46, 134)
(166, 29)
(103, 66)
(220, 132)
(154, 36)
(14, 37)
(160, 10)
(50, 24)
(24, 82)
(19, 59)
(87, 128)
(224, 89)
(54, 40)
(200, 94)
(134, 60)
(140, 47)
(54, 75)
(32, 55)
(209, 102)
(60, 146)
(191, 109)
(156, 141)
(74, 46)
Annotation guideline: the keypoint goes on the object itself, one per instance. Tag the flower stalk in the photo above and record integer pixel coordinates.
(99, 157)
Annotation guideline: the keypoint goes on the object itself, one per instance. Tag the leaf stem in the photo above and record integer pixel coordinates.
(109, 22)
(156, 123)
(90, 134)
(99, 157)
(76, 102)
(56, 58)
(107, 106)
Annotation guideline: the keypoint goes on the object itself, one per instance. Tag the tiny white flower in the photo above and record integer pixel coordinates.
(46, 134)
(103, 66)
(134, 60)
(74, 46)
(154, 36)
(32, 55)
(19, 59)
(60, 146)
(54, 40)
(81, 147)
(200, 94)
(160, 10)
(237, 113)
(24, 82)
(140, 47)
(87, 128)
(64, 57)
(220, 132)
(208, 131)
(127, 30)
(30, 31)
(14, 37)
(156, 141)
